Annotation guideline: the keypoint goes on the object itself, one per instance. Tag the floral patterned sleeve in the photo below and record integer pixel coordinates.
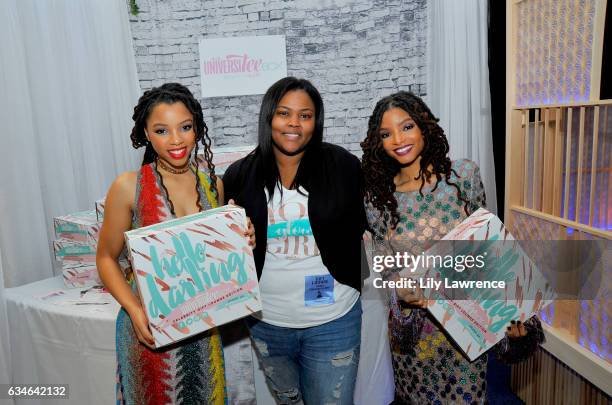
(475, 192)
(375, 222)
(380, 244)
(404, 326)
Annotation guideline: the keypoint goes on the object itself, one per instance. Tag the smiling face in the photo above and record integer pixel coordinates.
(293, 123)
(401, 137)
(169, 127)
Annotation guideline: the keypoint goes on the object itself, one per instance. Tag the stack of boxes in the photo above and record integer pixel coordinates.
(76, 244)
(75, 248)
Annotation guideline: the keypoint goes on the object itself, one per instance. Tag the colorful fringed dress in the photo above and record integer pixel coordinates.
(427, 366)
(190, 372)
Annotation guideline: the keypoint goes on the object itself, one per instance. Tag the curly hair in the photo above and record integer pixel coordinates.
(379, 168)
(171, 93)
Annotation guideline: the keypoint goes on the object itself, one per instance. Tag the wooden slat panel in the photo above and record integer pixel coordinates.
(543, 379)
(526, 175)
(549, 385)
(535, 201)
(593, 163)
(541, 161)
(568, 158)
(563, 222)
(514, 139)
(558, 160)
(526, 382)
(604, 206)
(579, 168)
(548, 153)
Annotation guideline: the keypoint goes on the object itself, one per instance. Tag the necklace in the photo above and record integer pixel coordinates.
(172, 170)
(400, 183)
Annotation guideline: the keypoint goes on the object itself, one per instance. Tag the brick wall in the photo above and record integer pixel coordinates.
(353, 51)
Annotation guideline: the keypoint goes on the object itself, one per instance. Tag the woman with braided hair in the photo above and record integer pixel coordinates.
(171, 183)
(415, 194)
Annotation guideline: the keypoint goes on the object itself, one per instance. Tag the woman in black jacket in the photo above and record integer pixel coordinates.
(304, 198)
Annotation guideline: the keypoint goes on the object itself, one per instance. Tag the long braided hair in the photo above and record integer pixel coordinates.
(380, 169)
(171, 93)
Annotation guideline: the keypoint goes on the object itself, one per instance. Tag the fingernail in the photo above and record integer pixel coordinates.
(519, 322)
(509, 328)
(512, 322)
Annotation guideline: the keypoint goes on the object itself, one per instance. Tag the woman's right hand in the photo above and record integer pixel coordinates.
(141, 327)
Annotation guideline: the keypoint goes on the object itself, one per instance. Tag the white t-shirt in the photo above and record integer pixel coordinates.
(297, 290)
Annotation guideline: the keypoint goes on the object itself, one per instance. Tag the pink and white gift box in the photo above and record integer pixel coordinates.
(194, 273)
(80, 275)
(478, 323)
(68, 251)
(82, 227)
(99, 204)
(223, 157)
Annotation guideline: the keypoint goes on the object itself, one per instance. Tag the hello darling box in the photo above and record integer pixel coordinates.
(477, 317)
(194, 273)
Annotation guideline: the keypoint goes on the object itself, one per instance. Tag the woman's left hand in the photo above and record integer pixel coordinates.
(250, 232)
(516, 329)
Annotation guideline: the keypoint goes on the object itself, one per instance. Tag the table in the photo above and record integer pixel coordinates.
(75, 345)
(52, 344)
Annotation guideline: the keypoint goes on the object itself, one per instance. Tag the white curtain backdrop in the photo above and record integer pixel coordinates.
(68, 83)
(458, 83)
(5, 358)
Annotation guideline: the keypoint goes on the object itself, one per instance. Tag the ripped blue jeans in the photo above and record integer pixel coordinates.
(311, 366)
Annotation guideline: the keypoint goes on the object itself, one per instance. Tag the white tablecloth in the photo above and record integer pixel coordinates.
(53, 344)
(75, 345)
(70, 344)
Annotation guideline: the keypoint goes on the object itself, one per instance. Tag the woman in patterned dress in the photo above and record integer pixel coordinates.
(416, 194)
(171, 183)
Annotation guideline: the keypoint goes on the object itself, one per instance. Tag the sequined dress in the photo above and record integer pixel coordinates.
(190, 372)
(432, 370)
(428, 368)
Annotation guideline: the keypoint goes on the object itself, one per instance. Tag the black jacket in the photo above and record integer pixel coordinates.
(335, 206)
